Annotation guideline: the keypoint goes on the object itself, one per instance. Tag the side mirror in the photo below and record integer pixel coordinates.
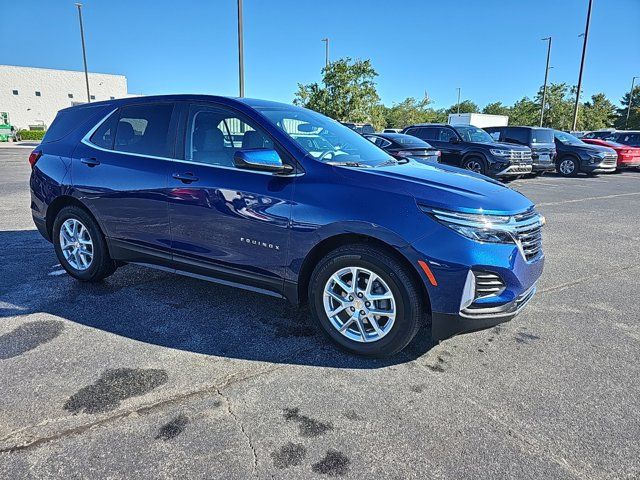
(454, 140)
(261, 159)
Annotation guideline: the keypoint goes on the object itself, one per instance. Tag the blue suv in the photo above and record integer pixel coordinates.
(286, 202)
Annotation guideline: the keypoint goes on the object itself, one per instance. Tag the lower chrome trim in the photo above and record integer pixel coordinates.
(516, 170)
(510, 309)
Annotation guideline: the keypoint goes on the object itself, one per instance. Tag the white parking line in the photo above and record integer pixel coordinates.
(603, 197)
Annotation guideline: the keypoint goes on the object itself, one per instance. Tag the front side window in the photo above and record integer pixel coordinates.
(474, 134)
(323, 138)
(567, 138)
(214, 135)
(445, 135)
(144, 130)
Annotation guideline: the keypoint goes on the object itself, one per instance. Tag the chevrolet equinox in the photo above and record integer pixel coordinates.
(286, 202)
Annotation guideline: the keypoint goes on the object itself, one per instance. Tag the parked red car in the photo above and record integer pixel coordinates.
(628, 157)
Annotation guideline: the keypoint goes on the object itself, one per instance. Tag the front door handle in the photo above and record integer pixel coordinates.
(91, 162)
(185, 177)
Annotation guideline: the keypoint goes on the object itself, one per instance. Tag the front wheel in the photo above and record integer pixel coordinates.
(365, 301)
(568, 167)
(475, 164)
(80, 245)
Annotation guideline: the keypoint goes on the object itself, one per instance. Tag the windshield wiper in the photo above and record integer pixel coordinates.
(349, 164)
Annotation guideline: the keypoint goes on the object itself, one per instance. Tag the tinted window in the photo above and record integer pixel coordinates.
(473, 134)
(445, 134)
(495, 134)
(68, 120)
(541, 135)
(214, 135)
(423, 133)
(144, 129)
(105, 134)
(517, 135)
(410, 141)
(631, 139)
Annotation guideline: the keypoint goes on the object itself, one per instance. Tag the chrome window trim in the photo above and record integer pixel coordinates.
(86, 140)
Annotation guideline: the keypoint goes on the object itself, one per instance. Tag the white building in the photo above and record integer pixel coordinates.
(33, 96)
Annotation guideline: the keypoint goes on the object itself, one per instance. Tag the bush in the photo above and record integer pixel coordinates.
(31, 134)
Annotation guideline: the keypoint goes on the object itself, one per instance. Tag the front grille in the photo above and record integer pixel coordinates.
(520, 155)
(610, 160)
(488, 284)
(528, 230)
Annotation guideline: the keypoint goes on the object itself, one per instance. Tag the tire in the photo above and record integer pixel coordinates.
(568, 166)
(475, 164)
(83, 267)
(391, 277)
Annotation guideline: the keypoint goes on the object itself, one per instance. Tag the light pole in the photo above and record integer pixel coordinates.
(326, 52)
(84, 51)
(633, 82)
(458, 100)
(584, 53)
(546, 76)
(240, 50)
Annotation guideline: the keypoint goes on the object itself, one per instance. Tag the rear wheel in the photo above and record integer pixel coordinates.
(568, 167)
(80, 245)
(365, 301)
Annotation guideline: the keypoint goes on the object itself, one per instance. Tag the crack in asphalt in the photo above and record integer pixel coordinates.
(141, 410)
(244, 432)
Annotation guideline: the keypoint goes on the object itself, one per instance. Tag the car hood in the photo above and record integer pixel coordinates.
(441, 186)
(588, 147)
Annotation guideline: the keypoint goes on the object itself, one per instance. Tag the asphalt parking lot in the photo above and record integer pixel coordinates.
(151, 375)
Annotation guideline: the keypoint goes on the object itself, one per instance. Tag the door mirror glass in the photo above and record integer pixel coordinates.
(261, 159)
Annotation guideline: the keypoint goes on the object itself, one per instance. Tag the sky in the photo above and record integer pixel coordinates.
(491, 49)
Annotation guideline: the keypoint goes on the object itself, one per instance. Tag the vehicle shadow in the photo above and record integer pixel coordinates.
(172, 311)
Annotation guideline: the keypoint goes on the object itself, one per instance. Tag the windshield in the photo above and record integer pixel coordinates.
(324, 139)
(567, 138)
(473, 134)
(541, 135)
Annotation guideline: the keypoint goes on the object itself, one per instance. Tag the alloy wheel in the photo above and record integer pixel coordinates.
(76, 244)
(359, 304)
(474, 166)
(567, 167)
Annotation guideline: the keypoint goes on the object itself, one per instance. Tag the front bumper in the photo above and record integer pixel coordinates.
(512, 170)
(451, 258)
(607, 165)
(445, 325)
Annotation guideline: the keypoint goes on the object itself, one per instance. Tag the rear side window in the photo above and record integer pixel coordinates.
(68, 120)
(517, 135)
(541, 135)
(423, 133)
(105, 133)
(144, 130)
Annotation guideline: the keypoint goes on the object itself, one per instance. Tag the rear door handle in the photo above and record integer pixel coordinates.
(185, 177)
(91, 162)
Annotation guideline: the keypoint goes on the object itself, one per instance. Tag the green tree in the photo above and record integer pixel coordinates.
(496, 108)
(598, 113)
(466, 106)
(524, 112)
(634, 116)
(347, 92)
(558, 112)
(410, 111)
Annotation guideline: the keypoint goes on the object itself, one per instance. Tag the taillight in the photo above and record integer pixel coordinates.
(34, 157)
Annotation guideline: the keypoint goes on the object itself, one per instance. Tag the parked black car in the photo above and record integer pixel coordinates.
(575, 156)
(403, 146)
(539, 140)
(472, 148)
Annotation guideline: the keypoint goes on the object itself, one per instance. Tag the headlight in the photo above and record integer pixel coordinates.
(479, 227)
(500, 153)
